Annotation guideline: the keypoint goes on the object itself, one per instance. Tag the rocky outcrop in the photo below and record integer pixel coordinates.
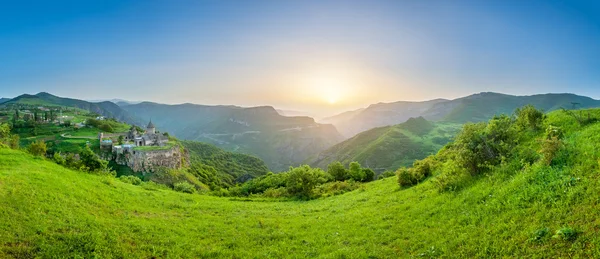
(148, 160)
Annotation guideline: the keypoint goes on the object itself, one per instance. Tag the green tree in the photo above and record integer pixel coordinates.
(356, 172)
(38, 148)
(369, 174)
(120, 140)
(338, 171)
(91, 161)
(302, 180)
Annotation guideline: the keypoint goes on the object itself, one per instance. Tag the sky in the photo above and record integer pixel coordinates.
(321, 57)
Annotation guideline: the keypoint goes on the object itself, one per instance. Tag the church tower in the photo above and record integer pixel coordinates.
(150, 129)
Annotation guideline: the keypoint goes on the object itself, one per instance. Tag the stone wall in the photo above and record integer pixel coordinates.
(147, 161)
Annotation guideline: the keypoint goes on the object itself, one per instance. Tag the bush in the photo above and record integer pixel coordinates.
(338, 171)
(130, 179)
(92, 162)
(405, 177)
(479, 146)
(369, 174)
(38, 148)
(550, 148)
(184, 187)
(276, 192)
(302, 180)
(59, 159)
(422, 169)
(452, 178)
(336, 188)
(528, 117)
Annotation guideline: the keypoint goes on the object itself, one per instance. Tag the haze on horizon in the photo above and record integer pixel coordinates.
(322, 57)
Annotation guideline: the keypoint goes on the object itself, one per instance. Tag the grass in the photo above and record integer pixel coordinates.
(536, 212)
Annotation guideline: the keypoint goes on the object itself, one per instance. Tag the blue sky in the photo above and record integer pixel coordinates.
(319, 56)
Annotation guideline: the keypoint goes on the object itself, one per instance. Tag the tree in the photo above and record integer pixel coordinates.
(91, 161)
(369, 174)
(120, 140)
(302, 180)
(337, 170)
(356, 172)
(38, 148)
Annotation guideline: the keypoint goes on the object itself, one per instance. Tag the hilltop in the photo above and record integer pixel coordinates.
(520, 206)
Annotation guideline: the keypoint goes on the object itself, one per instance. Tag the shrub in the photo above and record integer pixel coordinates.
(130, 179)
(479, 146)
(369, 174)
(276, 192)
(336, 188)
(38, 148)
(452, 178)
(59, 159)
(338, 171)
(549, 149)
(405, 177)
(302, 180)
(528, 117)
(92, 162)
(422, 169)
(184, 187)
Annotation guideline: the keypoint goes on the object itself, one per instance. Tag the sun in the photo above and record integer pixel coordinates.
(332, 99)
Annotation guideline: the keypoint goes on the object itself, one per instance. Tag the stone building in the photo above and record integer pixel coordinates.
(150, 138)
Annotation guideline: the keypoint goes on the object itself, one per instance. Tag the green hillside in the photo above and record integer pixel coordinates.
(230, 166)
(387, 148)
(515, 208)
(107, 109)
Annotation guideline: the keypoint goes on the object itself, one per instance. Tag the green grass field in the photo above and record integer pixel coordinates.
(538, 211)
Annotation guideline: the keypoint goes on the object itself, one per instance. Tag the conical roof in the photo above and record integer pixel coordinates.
(150, 125)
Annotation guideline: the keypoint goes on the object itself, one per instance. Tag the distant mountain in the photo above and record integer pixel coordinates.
(119, 102)
(107, 109)
(389, 147)
(377, 115)
(477, 107)
(483, 106)
(3, 100)
(279, 140)
(291, 113)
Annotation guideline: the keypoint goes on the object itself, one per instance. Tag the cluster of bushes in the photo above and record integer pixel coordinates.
(355, 172)
(420, 170)
(86, 161)
(479, 147)
(305, 182)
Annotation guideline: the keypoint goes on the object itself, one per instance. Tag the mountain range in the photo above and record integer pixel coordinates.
(282, 141)
(476, 107)
(279, 140)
